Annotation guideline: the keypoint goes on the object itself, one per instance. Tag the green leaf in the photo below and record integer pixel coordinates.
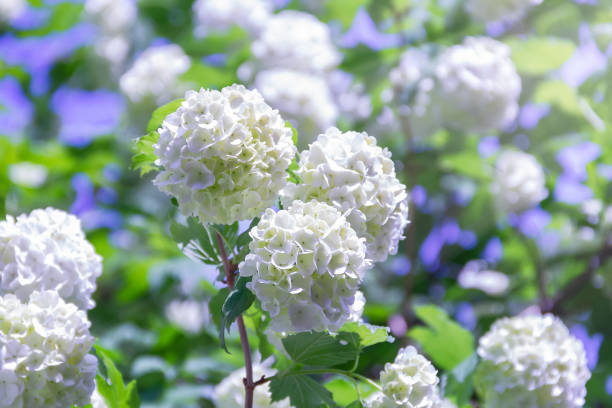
(237, 302)
(319, 349)
(295, 132)
(202, 75)
(466, 163)
(355, 404)
(560, 95)
(144, 157)
(539, 55)
(459, 382)
(369, 334)
(345, 391)
(446, 343)
(196, 239)
(303, 391)
(113, 389)
(159, 114)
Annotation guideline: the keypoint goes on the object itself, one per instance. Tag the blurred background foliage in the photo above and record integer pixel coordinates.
(66, 135)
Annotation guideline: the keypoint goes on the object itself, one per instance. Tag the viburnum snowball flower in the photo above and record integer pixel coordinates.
(44, 346)
(220, 15)
(411, 381)
(520, 182)
(114, 19)
(531, 361)
(10, 9)
(296, 40)
(230, 392)
(47, 250)
(301, 96)
(224, 154)
(477, 86)
(155, 74)
(499, 10)
(350, 172)
(306, 263)
(97, 401)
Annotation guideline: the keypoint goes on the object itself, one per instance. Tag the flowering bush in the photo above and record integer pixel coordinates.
(352, 204)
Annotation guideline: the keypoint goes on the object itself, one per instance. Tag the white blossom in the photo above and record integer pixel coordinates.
(519, 182)
(97, 401)
(224, 154)
(477, 86)
(306, 263)
(350, 172)
(155, 74)
(220, 15)
(531, 361)
(28, 174)
(351, 98)
(10, 9)
(47, 250)
(44, 360)
(357, 307)
(190, 315)
(411, 381)
(499, 10)
(114, 19)
(476, 275)
(296, 40)
(230, 392)
(301, 96)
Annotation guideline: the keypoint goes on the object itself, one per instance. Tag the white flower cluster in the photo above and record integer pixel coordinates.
(229, 393)
(155, 74)
(47, 250)
(296, 40)
(190, 315)
(114, 19)
(477, 86)
(224, 154)
(10, 9)
(301, 96)
(220, 15)
(477, 275)
(97, 401)
(350, 172)
(531, 361)
(306, 263)
(411, 381)
(472, 87)
(44, 360)
(520, 182)
(499, 10)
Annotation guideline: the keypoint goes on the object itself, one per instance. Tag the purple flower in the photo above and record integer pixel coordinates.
(467, 239)
(548, 241)
(495, 28)
(419, 195)
(448, 232)
(85, 115)
(609, 385)
(38, 54)
(531, 114)
(574, 159)
(31, 18)
(364, 31)
(398, 325)
(217, 60)
(85, 190)
(532, 222)
(570, 191)
(112, 172)
(488, 146)
(591, 343)
(107, 195)
(605, 171)
(400, 265)
(586, 60)
(101, 218)
(16, 110)
(465, 316)
(430, 249)
(493, 251)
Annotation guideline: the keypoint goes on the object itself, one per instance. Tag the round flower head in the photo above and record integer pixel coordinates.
(47, 250)
(477, 86)
(301, 96)
(531, 361)
(306, 263)
(296, 40)
(224, 154)
(155, 74)
(500, 10)
(411, 381)
(220, 15)
(114, 19)
(350, 172)
(229, 393)
(10, 9)
(44, 360)
(520, 182)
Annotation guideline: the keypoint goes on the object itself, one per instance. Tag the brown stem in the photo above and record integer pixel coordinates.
(230, 269)
(575, 286)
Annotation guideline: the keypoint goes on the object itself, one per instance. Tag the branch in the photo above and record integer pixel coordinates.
(230, 269)
(577, 284)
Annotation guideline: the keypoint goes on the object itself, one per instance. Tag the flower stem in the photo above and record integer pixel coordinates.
(230, 268)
